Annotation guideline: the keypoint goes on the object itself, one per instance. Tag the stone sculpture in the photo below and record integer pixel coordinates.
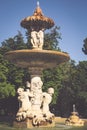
(37, 38)
(47, 98)
(74, 119)
(33, 103)
(24, 103)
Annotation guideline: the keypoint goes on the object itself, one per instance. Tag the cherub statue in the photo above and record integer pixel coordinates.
(37, 38)
(47, 98)
(24, 103)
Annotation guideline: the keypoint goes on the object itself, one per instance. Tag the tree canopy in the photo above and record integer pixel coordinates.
(84, 49)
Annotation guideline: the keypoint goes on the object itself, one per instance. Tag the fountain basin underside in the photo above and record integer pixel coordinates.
(36, 58)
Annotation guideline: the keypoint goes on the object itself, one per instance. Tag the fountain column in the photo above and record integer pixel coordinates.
(35, 71)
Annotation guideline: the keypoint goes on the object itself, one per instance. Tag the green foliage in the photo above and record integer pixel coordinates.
(28, 36)
(56, 78)
(74, 88)
(15, 43)
(49, 81)
(6, 90)
(81, 81)
(66, 95)
(51, 39)
(3, 70)
(84, 49)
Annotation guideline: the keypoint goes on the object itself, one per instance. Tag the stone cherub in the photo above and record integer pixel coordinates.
(33, 103)
(37, 38)
(24, 103)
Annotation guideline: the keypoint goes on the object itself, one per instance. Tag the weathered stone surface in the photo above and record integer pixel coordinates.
(28, 124)
(37, 58)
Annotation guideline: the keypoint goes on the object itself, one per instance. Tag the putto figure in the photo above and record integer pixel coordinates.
(37, 39)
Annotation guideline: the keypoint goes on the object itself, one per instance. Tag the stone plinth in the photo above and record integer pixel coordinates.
(28, 124)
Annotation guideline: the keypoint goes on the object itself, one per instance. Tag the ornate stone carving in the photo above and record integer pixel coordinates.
(37, 38)
(33, 103)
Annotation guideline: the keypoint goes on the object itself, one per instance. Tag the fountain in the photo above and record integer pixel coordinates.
(74, 119)
(33, 102)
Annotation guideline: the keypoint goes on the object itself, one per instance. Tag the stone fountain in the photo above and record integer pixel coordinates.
(74, 119)
(33, 102)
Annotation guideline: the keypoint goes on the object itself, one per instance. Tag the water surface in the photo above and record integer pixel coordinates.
(4, 126)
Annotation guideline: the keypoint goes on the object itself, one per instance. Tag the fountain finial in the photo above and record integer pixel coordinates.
(38, 3)
(74, 109)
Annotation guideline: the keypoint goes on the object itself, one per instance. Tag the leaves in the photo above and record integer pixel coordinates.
(6, 89)
(84, 49)
(51, 39)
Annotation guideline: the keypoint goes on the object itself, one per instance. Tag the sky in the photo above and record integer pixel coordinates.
(69, 15)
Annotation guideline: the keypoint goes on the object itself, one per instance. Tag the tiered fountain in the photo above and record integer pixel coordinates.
(33, 103)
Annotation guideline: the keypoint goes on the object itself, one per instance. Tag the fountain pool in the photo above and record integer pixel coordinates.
(4, 126)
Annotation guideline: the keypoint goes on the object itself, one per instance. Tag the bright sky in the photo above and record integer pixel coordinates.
(70, 15)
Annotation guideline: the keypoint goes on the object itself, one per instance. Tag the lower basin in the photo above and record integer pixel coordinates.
(60, 125)
(57, 127)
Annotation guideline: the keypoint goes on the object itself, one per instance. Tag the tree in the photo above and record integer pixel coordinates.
(51, 39)
(51, 79)
(15, 43)
(84, 49)
(6, 88)
(66, 93)
(73, 90)
(15, 75)
(81, 88)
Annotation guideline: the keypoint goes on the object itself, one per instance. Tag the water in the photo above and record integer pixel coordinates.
(57, 127)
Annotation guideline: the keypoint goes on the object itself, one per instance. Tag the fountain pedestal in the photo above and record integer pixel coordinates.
(28, 124)
(74, 119)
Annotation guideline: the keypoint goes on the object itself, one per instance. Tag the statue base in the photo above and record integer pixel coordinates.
(28, 124)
